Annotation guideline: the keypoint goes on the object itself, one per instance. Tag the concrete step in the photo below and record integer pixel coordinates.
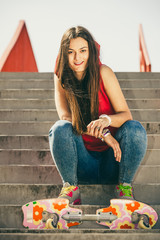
(41, 142)
(48, 174)
(34, 157)
(28, 93)
(29, 174)
(34, 115)
(27, 104)
(148, 174)
(43, 157)
(49, 83)
(25, 128)
(143, 104)
(40, 128)
(49, 75)
(78, 234)
(144, 115)
(20, 194)
(138, 75)
(139, 83)
(22, 82)
(27, 84)
(15, 214)
(143, 93)
(151, 127)
(27, 75)
(50, 104)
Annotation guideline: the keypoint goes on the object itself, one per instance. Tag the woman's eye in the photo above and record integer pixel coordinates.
(69, 52)
(83, 50)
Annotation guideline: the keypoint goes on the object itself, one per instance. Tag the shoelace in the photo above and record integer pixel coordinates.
(66, 190)
(127, 190)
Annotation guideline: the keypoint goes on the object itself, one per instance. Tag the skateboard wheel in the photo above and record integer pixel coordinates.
(49, 224)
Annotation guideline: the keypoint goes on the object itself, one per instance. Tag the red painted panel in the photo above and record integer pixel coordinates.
(145, 64)
(19, 56)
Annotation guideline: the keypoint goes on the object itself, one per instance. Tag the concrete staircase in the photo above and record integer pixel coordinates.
(27, 172)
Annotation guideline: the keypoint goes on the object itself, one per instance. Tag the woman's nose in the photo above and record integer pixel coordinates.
(77, 56)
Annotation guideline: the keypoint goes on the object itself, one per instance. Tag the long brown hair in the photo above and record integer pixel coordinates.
(69, 81)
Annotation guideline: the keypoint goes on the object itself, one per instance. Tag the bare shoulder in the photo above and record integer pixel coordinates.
(105, 68)
(107, 75)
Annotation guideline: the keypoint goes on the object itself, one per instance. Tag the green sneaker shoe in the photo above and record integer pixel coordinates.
(71, 193)
(124, 191)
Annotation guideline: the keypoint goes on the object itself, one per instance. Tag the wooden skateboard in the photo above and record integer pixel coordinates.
(57, 214)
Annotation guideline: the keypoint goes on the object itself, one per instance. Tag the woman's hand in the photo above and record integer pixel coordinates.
(95, 128)
(112, 142)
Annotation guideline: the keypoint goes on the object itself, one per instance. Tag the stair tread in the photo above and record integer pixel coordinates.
(24, 230)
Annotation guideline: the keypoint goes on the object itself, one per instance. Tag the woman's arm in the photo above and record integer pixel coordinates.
(118, 102)
(116, 97)
(122, 112)
(61, 102)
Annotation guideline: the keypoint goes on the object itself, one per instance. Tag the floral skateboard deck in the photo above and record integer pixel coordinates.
(57, 214)
(47, 214)
(130, 215)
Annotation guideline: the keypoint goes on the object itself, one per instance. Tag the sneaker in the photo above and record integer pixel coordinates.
(71, 193)
(124, 191)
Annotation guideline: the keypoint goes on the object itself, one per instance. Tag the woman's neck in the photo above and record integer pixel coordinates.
(79, 75)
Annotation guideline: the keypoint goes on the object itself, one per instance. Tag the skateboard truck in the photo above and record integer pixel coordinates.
(141, 219)
(100, 217)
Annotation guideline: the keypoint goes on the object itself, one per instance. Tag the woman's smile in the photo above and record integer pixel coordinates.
(78, 64)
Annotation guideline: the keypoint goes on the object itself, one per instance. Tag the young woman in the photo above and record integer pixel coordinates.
(95, 141)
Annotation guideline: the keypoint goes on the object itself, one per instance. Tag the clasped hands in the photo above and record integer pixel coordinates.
(96, 127)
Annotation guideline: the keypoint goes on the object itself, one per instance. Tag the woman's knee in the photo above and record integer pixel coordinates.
(60, 129)
(136, 132)
(135, 128)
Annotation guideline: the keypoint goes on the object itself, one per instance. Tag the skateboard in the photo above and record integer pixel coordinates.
(57, 214)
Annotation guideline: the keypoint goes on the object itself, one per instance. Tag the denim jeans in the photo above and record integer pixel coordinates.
(77, 165)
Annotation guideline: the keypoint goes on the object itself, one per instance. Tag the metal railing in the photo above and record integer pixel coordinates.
(145, 64)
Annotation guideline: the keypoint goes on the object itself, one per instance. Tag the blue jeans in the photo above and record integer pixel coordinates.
(77, 165)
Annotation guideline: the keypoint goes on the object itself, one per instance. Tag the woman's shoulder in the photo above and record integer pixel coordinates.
(106, 72)
(104, 69)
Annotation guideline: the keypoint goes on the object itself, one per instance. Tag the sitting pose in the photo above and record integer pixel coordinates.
(96, 141)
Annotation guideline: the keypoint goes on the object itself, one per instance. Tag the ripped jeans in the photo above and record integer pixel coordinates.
(76, 165)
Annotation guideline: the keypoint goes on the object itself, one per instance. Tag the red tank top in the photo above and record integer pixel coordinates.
(105, 107)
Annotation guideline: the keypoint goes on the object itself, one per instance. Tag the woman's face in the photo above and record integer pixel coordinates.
(78, 54)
